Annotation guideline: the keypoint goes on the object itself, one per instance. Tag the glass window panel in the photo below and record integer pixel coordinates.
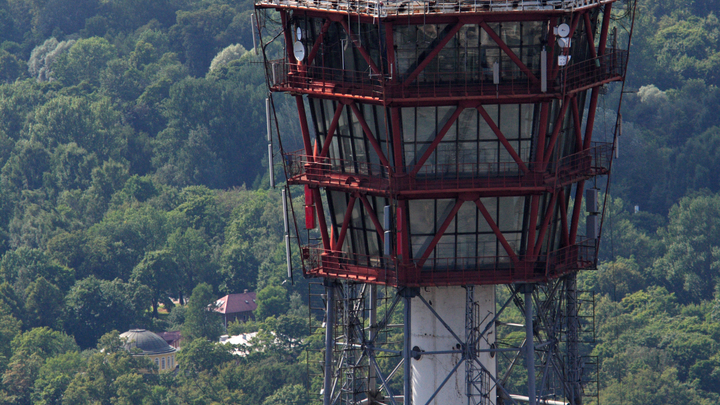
(466, 221)
(358, 236)
(444, 208)
(417, 243)
(422, 217)
(445, 249)
(490, 204)
(426, 124)
(408, 124)
(468, 157)
(511, 214)
(356, 219)
(509, 124)
(445, 113)
(526, 120)
(339, 206)
(467, 124)
(487, 248)
(485, 131)
(466, 245)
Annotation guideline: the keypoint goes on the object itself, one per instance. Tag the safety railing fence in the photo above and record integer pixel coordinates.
(385, 8)
(583, 164)
(436, 84)
(496, 268)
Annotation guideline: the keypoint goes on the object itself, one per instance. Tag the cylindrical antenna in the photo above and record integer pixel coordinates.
(288, 256)
(388, 234)
(252, 30)
(285, 211)
(543, 70)
(267, 118)
(270, 166)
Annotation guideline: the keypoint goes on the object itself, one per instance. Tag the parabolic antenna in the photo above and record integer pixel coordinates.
(299, 50)
(563, 30)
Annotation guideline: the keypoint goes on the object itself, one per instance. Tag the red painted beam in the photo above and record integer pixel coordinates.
(557, 126)
(509, 52)
(605, 28)
(438, 138)
(332, 129)
(502, 139)
(318, 42)
(549, 213)
(440, 232)
(577, 125)
(496, 230)
(304, 129)
(371, 212)
(590, 37)
(346, 223)
(370, 136)
(433, 53)
(563, 218)
(360, 48)
(576, 211)
(544, 113)
(317, 199)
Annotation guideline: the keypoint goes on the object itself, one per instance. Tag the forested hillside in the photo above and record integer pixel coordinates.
(133, 169)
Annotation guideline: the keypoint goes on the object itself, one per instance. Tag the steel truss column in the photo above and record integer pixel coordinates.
(527, 290)
(573, 325)
(329, 342)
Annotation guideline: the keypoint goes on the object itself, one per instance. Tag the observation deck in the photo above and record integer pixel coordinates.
(449, 180)
(449, 137)
(437, 88)
(384, 8)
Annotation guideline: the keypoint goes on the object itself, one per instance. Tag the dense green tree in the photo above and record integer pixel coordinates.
(201, 320)
(43, 304)
(95, 307)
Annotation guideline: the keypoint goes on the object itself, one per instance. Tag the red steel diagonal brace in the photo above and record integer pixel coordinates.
(318, 42)
(495, 37)
(502, 139)
(438, 138)
(496, 230)
(590, 37)
(563, 217)
(346, 223)
(332, 129)
(577, 125)
(549, 212)
(370, 136)
(371, 212)
(440, 232)
(433, 53)
(360, 48)
(556, 130)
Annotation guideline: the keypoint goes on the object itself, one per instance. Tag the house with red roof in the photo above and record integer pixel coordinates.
(237, 307)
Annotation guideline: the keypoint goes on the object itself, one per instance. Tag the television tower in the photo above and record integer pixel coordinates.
(445, 161)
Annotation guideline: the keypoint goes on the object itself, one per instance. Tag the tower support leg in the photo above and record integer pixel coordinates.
(529, 342)
(329, 342)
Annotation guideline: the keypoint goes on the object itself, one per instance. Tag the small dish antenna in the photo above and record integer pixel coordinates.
(299, 34)
(563, 30)
(299, 50)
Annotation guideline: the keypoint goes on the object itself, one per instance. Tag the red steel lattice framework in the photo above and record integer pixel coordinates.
(547, 176)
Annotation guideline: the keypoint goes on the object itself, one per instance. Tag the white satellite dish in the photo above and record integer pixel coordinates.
(564, 42)
(299, 50)
(563, 30)
(299, 34)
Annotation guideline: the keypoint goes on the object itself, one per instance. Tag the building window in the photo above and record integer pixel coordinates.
(157, 363)
(163, 363)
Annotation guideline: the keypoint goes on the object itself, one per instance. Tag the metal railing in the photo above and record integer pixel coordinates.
(384, 8)
(596, 70)
(491, 269)
(285, 76)
(584, 164)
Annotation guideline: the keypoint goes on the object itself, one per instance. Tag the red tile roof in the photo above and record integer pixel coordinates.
(235, 303)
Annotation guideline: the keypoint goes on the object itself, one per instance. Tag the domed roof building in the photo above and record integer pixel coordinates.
(141, 342)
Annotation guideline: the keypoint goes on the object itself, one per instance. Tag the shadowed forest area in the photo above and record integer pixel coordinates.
(133, 169)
